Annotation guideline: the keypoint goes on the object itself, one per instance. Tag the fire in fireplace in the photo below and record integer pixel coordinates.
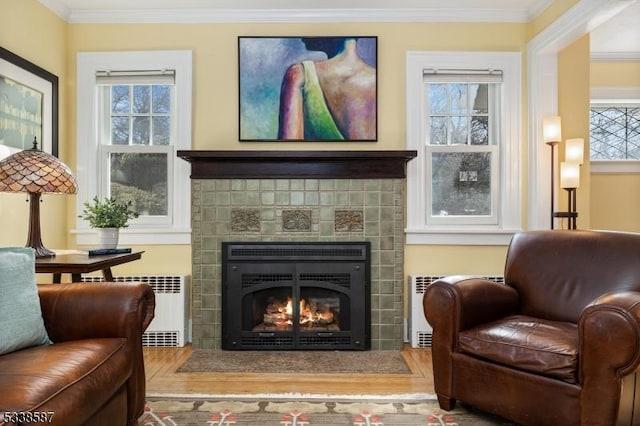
(296, 296)
(316, 315)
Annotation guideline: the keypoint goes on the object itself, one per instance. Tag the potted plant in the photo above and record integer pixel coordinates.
(108, 216)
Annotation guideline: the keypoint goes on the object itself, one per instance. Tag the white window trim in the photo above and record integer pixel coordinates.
(87, 141)
(619, 96)
(510, 204)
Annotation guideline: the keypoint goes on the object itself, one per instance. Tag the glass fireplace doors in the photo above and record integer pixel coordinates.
(295, 302)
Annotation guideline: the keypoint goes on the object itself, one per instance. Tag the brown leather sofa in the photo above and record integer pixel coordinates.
(93, 373)
(558, 344)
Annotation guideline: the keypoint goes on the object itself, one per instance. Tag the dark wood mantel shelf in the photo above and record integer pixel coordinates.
(297, 164)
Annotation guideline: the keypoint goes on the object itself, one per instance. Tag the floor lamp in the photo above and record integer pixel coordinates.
(36, 172)
(552, 135)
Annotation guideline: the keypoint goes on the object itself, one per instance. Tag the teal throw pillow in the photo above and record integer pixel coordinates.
(21, 323)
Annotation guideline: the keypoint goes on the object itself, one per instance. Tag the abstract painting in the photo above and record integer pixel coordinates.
(308, 88)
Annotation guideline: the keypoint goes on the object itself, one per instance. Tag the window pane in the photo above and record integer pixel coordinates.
(458, 98)
(141, 130)
(479, 95)
(480, 130)
(142, 180)
(461, 184)
(438, 98)
(120, 131)
(459, 130)
(438, 131)
(141, 99)
(120, 99)
(161, 99)
(161, 130)
(615, 133)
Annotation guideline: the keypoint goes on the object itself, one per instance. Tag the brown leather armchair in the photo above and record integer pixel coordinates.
(557, 344)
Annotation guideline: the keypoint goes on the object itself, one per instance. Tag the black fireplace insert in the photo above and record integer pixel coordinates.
(282, 296)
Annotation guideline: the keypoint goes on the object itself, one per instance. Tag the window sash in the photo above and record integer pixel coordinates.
(491, 219)
(105, 115)
(104, 153)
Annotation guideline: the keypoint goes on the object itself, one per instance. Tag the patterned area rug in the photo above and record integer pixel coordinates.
(217, 411)
(353, 362)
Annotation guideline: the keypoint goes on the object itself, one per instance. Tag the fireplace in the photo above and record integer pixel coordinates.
(291, 196)
(304, 295)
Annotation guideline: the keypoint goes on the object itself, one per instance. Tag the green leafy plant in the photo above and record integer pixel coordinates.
(108, 213)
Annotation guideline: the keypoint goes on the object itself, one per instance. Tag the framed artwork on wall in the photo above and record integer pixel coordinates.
(28, 105)
(308, 88)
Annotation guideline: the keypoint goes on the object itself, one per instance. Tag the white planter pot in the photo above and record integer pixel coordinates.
(108, 237)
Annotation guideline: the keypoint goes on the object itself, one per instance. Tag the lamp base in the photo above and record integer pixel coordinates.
(34, 240)
(43, 252)
(572, 216)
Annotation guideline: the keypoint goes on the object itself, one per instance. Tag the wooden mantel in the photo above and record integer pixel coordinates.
(297, 164)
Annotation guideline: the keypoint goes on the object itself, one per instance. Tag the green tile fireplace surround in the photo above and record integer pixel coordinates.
(298, 196)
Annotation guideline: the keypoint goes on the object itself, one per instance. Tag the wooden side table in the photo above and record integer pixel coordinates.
(77, 264)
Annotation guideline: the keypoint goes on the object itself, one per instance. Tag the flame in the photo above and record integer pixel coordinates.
(308, 314)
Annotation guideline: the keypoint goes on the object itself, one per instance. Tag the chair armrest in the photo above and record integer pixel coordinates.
(609, 334)
(609, 350)
(462, 302)
(81, 311)
(458, 303)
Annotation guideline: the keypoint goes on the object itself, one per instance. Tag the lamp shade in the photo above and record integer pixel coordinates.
(552, 129)
(35, 171)
(569, 175)
(574, 150)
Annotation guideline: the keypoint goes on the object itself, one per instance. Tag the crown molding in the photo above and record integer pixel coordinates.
(58, 8)
(213, 15)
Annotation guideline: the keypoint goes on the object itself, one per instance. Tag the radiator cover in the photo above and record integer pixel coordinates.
(420, 330)
(170, 326)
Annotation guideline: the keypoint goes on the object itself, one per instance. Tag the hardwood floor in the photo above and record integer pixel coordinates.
(161, 364)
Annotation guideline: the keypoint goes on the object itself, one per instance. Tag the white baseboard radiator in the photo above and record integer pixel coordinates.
(170, 327)
(420, 331)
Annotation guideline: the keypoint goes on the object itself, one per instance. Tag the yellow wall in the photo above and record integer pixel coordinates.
(215, 102)
(615, 74)
(215, 124)
(573, 107)
(615, 202)
(615, 198)
(36, 34)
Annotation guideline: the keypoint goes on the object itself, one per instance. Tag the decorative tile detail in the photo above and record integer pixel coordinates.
(349, 221)
(245, 220)
(296, 220)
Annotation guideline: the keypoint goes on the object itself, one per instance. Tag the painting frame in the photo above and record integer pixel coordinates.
(29, 80)
(265, 64)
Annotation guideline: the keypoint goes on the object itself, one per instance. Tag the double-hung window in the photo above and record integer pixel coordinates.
(136, 116)
(127, 145)
(464, 187)
(461, 121)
